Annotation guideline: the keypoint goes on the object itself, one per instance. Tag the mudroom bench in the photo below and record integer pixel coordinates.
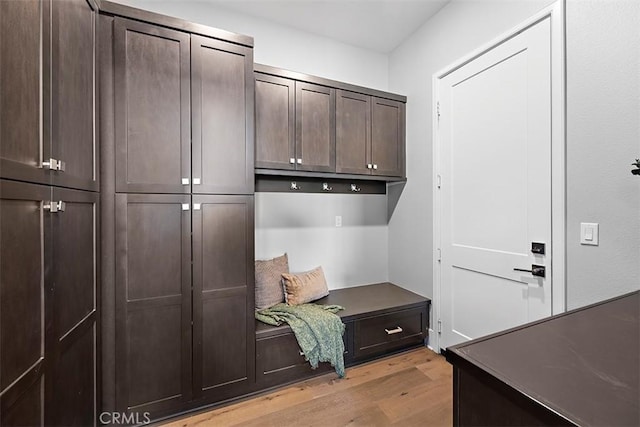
(380, 319)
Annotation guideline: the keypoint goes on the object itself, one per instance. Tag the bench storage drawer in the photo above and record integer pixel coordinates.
(380, 334)
(280, 360)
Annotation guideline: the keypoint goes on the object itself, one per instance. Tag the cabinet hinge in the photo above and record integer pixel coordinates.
(439, 254)
(438, 109)
(439, 326)
(438, 181)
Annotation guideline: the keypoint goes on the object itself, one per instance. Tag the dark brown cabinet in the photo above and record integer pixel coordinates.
(223, 253)
(153, 301)
(175, 91)
(178, 174)
(309, 124)
(387, 137)
(49, 303)
(275, 122)
(47, 63)
(295, 125)
(222, 128)
(315, 128)
(353, 133)
(152, 108)
(369, 135)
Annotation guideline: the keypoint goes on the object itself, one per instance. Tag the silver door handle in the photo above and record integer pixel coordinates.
(393, 331)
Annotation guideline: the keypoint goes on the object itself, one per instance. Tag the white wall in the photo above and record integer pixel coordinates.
(303, 224)
(281, 46)
(458, 29)
(603, 138)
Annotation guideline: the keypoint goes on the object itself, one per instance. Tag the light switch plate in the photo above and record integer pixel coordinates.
(589, 234)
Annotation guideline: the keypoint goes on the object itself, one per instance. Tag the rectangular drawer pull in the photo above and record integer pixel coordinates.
(393, 331)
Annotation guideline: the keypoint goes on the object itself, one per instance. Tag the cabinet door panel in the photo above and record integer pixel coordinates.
(353, 132)
(27, 409)
(223, 114)
(74, 379)
(22, 145)
(153, 302)
(24, 225)
(152, 108)
(223, 295)
(73, 93)
(74, 277)
(387, 139)
(275, 122)
(315, 128)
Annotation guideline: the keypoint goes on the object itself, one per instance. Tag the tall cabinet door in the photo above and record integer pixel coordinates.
(223, 296)
(153, 302)
(24, 225)
(152, 108)
(74, 237)
(73, 74)
(275, 122)
(315, 128)
(353, 132)
(22, 143)
(387, 137)
(223, 114)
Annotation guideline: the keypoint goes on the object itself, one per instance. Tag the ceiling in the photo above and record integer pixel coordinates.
(378, 25)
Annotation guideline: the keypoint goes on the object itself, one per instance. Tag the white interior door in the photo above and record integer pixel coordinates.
(494, 136)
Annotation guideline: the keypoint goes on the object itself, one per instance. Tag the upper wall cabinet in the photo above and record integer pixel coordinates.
(295, 127)
(175, 92)
(275, 122)
(47, 63)
(306, 124)
(387, 137)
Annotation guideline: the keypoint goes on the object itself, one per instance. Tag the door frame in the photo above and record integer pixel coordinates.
(556, 13)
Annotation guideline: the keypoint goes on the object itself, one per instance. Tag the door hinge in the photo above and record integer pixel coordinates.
(438, 181)
(438, 109)
(439, 255)
(439, 326)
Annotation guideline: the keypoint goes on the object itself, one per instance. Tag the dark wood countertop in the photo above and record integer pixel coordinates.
(359, 302)
(584, 364)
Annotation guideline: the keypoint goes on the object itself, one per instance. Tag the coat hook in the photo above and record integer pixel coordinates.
(355, 188)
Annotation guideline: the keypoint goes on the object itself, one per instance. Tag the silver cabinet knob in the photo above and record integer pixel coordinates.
(292, 161)
(185, 206)
(185, 181)
(196, 181)
(355, 188)
(369, 165)
(325, 187)
(375, 166)
(295, 186)
(299, 161)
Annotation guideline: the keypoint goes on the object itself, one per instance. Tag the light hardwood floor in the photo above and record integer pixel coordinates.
(410, 389)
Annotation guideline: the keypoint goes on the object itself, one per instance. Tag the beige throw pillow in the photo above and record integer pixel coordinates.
(304, 287)
(269, 281)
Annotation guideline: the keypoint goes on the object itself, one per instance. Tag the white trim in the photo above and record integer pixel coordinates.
(556, 12)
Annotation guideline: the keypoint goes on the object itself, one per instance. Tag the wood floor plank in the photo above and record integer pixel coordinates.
(412, 388)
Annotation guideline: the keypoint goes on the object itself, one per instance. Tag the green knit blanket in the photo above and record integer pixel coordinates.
(318, 331)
